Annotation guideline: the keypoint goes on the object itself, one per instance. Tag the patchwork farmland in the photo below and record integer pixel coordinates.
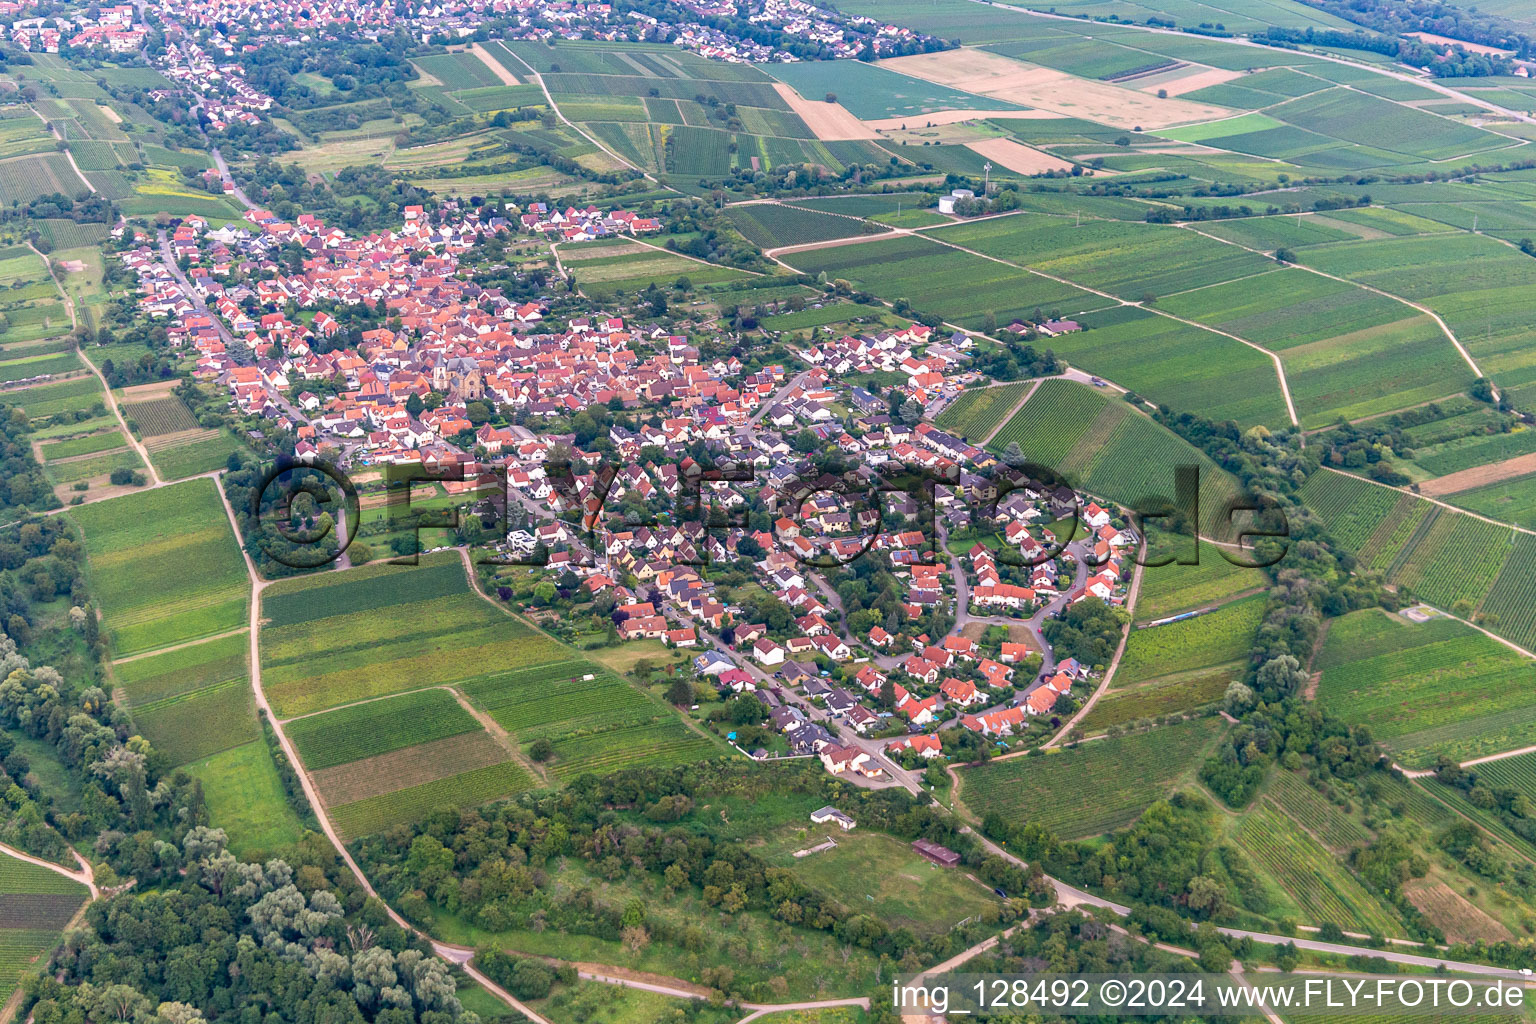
(35, 906)
(438, 696)
(1104, 447)
(165, 566)
(1116, 781)
(1425, 689)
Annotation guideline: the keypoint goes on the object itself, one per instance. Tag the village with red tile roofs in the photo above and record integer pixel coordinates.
(951, 644)
(664, 511)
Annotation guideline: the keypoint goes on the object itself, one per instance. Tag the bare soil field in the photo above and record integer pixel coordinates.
(507, 77)
(1430, 37)
(148, 392)
(411, 766)
(1459, 919)
(830, 121)
(886, 124)
(1018, 157)
(1478, 476)
(988, 74)
(1197, 78)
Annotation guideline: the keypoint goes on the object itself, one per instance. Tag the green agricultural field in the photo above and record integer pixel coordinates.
(1449, 559)
(963, 289)
(148, 680)
(1215, 638)
(92, 466)
(1170, 589)
(1512, 500)
(337, 638)
(661, 742)
(1095, 787)
(377, 727)
(160, 416)
(26, 367)
(466, 789)
(35, 905)
(1357, 118)
(1175, 694)
(1349, 507)
(25, 179)
(1475, 449)
(1127, 259)
(90, 444)
(463, 70)
(772, 224)
(1346, 351)
(1177, 364)
(192, 452)
(1510, 607)
(1315, 813)
(199, 724)
(871, 92)
(633, 272)
(1310, 876)
(165, 566)
(1425, 689)
(1473, 282)
(387, 629)
(1103, 447)
(979, 412)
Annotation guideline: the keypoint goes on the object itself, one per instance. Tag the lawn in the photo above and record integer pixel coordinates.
(1426, 689)
(164, 565)
(881, 874)
(1095, 787)
(246, 799)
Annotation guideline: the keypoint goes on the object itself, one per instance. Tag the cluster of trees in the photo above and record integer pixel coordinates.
(1014, 360)
(84, 208)
(246, 483)
(1442, 61)
(1510, 806)
(1397, 17)
(223, 939)
(358, 69)
(1369, 447)
(1089, 631)
(358, 199)
(492, 866)
(1314, 579)
(710, 236)
(22, 483)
